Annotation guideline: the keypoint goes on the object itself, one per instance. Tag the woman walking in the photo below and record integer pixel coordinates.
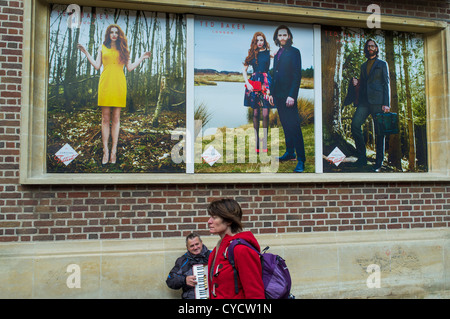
(225, 221)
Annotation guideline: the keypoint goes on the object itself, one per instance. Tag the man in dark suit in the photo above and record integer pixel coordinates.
(374, 97)
(287, 68)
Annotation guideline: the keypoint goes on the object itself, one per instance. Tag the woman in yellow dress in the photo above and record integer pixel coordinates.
(112, 87)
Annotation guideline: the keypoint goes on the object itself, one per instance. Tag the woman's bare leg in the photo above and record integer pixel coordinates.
(115, 128)
(106, 117)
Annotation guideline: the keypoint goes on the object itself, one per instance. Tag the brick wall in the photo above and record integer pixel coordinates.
(96, 212)
(47, 213)
(433, 9)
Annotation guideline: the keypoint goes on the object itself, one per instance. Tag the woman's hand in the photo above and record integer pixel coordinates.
(249, 87)
(95, 63)
(146, 55)
(131, 66)
(355, 81)
(81, 48)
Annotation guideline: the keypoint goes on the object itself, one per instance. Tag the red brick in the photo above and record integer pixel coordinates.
(48, 213)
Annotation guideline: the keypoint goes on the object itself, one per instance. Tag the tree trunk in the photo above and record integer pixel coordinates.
(409, 112)
(132, 77)
(71, 63)
(331, 47)
(167, 62)
(394, 150)
(161, 101)
(91, 38)
(150, 63)
(181, 52)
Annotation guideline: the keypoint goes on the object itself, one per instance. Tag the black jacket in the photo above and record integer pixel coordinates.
(287, 73)
(352, 94)
(375, 85)
(183, 268)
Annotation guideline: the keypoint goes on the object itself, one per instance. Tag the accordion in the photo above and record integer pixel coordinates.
(200, 271)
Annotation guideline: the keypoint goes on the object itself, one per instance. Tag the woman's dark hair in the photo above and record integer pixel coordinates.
(275, 36)
(366, 49)
(229, 210)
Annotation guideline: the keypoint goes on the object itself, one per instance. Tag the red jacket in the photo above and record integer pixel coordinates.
(248, 264)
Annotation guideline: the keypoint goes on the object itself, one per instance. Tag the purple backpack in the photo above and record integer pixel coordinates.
(275, 274)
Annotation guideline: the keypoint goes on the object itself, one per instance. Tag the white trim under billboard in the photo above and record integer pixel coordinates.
(52, 106)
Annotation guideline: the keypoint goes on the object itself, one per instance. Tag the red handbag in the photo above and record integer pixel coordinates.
(256, 85)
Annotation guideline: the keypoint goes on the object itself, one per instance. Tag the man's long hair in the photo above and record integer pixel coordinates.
(275, 36)
(366, 49)
(253, 51)
(121, 43)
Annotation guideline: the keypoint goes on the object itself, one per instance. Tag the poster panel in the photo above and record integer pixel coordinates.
(373, 100)
(254, 96)
(116, 90)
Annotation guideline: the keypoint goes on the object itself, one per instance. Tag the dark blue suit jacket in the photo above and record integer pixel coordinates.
(287, 73)
(374, 87)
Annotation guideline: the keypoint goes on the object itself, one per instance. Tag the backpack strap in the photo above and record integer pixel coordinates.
(233, 244)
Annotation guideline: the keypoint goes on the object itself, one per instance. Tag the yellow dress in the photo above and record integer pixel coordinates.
(112, 87)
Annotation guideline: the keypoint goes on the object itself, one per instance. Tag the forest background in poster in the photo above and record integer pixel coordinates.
(156, 99)
(342, 57)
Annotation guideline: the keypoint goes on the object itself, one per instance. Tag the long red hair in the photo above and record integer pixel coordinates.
(253, 51)
(121, 43)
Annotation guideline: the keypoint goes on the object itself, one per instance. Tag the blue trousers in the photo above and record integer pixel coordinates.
(290, 120)
(359, 118)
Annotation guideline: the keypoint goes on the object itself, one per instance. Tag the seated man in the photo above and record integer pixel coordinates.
(181, 274)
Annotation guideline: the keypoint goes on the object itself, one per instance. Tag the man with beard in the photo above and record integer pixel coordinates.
(287, 75)
(181, 275)
(374, 97)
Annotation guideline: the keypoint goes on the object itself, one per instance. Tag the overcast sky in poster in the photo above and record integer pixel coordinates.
(222, 44)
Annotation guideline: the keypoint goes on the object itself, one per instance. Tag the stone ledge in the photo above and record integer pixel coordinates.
(413, 263)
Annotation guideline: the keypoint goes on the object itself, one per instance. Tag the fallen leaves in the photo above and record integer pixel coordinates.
(141, 148)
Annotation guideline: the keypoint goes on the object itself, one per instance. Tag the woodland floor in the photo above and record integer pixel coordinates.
(250, 163)
(144, 148)
(141, 146)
